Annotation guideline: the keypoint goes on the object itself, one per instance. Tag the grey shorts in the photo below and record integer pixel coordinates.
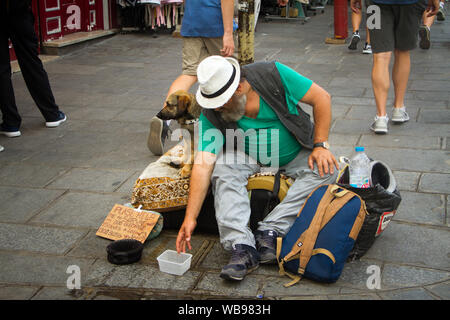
(399, 26)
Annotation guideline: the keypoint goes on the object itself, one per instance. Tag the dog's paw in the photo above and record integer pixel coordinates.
(185, 172)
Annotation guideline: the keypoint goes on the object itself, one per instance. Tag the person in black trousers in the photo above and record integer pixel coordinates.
(17, 24)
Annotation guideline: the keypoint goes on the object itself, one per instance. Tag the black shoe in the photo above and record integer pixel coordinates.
(354, 42)
(266, 244)
(53, 124)
(244, 259)
(8, 131)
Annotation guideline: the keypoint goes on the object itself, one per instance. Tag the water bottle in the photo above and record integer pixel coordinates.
(360, 169)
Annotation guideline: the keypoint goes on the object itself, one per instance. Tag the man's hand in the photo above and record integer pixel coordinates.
(356, 6)
(228, 45)
(432, 8)
(283, 2)
(184, 235)
(324, 160)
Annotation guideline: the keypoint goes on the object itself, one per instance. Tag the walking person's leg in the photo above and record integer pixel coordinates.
(408, 20)
(356, 22)
(400, 76)
(11, 119)
(383, 43)
(25, 44)
(380, 86)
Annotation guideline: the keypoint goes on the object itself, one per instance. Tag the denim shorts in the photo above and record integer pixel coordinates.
(398, 27)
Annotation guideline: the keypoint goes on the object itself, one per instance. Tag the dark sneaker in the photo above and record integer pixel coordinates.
(159, 131)
(354, 42)
(266, 244)
(424, 35)
(53, 124)
(8, 131)
(441, 15)
(244, 259)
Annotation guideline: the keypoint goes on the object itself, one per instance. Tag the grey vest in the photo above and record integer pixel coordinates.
(266, 81)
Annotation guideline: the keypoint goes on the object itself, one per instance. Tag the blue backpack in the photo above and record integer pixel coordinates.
(322, 236)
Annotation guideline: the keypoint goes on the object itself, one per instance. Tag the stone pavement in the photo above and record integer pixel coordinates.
(57, 185)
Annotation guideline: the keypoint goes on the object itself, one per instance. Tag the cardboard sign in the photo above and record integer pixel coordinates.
(127, 223)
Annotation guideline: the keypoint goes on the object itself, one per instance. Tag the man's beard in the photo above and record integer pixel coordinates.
(236, 110)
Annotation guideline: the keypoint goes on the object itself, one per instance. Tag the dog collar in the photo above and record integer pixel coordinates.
(192, 121)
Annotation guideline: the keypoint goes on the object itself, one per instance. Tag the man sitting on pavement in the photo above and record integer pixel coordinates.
(259, 101)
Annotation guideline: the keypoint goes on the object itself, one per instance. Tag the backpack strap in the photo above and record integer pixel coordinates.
(310, 235)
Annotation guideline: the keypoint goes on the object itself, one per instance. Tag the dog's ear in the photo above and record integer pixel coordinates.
(183, 101)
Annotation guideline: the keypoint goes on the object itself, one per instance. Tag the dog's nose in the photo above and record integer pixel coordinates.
(161, 116)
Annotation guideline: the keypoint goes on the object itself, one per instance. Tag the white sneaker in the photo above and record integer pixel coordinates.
(367, 49)
(1, 148)
(399, 115)
(380, 124)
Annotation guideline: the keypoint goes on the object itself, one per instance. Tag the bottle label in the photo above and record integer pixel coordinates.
(364, 185)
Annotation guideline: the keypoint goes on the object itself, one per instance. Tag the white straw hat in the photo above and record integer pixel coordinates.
(218, 79)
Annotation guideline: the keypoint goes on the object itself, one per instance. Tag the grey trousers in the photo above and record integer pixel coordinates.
(232, 204)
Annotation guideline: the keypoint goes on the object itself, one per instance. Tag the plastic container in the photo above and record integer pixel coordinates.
(360, 169)
(174, 263)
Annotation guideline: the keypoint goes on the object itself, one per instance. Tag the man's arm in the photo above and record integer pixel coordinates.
(320, 100)
(199, 184)
(432, 8)
(356, 6)
(227, 18)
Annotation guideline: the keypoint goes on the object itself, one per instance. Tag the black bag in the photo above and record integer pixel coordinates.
(382, 201)
(265, 192)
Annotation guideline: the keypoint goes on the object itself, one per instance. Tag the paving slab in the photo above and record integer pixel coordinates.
(406, 181)
(20, 204)
(37, 239)
(38, 269)
(211, 284)
(86, 179)
(408, 294)
(58, 293)
(401, 142)
(17, 292)
(401, 276)
(413, 244)
(436, 183)
(421, 208)
(80, 209)
(21, 175)
(441, 290)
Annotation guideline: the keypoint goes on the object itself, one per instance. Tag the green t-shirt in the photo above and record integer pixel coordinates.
(266, 139)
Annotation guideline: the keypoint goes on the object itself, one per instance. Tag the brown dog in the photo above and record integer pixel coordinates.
(183, 107)
(180, 106)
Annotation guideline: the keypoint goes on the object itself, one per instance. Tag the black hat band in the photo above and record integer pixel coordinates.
(223, 89)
